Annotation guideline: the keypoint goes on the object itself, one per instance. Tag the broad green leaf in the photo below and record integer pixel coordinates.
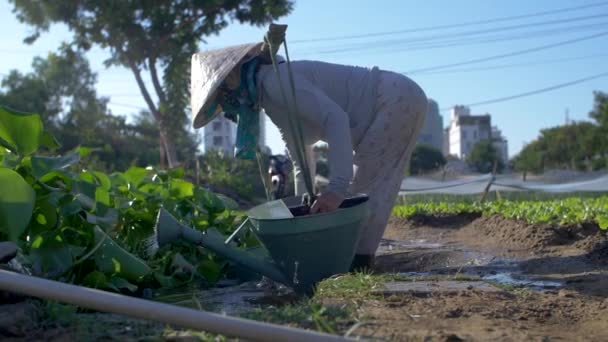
(118, 179)
(167, 282)
(84, 188)
(48, 140)
(602, 221)
(84, 151)
(41, 166)
(85, 201)
(17, 199)
(135, 175)
(107, 221)
(121, 283)
(229, 203)
(57, 180)
(51, 256)
(181, 189)
(113, 259)
(208, 200)
(45, 217)
(72, 208)
(210, 270)
(102, 196)
(88, 177)
(177, 173)
(103, 179)
(20, 132)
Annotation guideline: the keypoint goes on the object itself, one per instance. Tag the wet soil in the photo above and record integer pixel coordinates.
(552, 281)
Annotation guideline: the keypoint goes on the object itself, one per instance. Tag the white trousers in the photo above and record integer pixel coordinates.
(382, 157)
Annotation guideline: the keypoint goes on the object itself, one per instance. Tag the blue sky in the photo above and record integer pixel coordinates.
(519, 119)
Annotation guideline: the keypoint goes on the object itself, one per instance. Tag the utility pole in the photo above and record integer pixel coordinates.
(567, 116)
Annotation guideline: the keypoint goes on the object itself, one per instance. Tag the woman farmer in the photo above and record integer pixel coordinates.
(370, 119)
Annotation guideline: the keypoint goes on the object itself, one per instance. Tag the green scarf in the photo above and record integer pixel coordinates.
(241, 107)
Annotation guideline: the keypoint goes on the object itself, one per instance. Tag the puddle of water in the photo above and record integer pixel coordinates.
(415, 275)
(510, 279)
(505, 278)
(391, 245)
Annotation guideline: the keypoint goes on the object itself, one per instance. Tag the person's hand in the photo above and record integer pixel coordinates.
(326, 202)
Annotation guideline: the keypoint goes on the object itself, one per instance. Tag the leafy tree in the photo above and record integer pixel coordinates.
(600, 115)
(530, 159)
(426, 158)
(145, 35)
(600, 109)
(62, 88)
(484, 156)
(575, 147)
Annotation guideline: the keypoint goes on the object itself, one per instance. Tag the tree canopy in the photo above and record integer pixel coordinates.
(426, 158)
(579, 146)
(62, 88)
(483, 156)
(145, 35)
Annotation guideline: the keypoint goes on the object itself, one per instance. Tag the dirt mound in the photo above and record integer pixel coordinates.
(513, 234)
(498, 232)
(599, 253)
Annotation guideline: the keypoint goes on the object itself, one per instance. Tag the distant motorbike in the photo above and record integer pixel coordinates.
(279, 169)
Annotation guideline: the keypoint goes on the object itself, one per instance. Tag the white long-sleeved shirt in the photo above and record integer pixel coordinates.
(335, 104)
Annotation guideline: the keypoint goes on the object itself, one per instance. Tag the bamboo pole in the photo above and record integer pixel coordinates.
(154, 311)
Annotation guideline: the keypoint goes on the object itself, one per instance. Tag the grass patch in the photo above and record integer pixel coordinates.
(351, 287)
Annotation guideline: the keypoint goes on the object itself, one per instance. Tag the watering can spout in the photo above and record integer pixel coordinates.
(170, 230)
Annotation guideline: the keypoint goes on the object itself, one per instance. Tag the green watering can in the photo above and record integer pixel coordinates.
(298, 250)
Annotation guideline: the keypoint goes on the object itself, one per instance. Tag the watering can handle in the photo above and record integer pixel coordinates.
(273, 39)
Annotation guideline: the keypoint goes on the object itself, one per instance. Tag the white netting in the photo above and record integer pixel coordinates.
(477, 184)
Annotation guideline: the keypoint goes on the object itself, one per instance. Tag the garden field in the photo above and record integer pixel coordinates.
(505, 270)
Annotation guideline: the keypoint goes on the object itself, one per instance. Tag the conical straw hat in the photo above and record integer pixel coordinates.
(208, 70)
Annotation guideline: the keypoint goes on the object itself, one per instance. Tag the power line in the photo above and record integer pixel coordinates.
(514, 65)
(510, 54)
(461, 34)
(448, 26)
(123, 95)
(534, 92)
(485, 40)
(127, 105)
(502, 39)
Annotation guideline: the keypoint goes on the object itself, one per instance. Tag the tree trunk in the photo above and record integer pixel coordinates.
(167, 147)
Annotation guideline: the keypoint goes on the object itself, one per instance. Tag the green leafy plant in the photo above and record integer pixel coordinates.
(567, 211)
(79, 225)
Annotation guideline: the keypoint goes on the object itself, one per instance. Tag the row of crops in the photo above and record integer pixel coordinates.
(566, 211)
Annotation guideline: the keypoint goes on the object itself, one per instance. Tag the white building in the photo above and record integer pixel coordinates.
(445, 149)
(466, 130)
(432, 131)
(500, 144)
(220, 134)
